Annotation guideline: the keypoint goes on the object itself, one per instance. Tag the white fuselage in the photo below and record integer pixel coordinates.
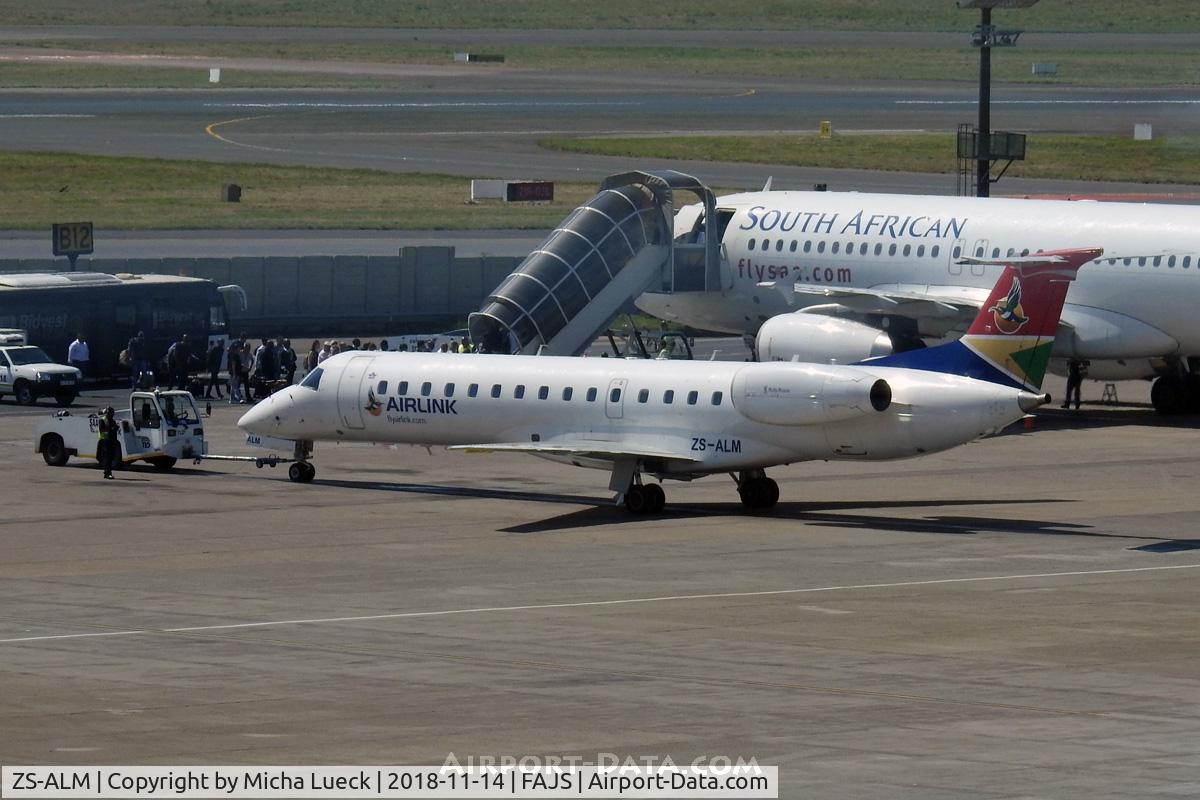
(693, 415)
(1138, 302)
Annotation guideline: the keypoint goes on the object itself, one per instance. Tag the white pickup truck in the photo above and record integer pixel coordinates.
(157, 427)
(27, 373)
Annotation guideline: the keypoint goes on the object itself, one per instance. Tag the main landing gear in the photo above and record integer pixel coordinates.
(645, 498)
(1177, 392)
(758, 492)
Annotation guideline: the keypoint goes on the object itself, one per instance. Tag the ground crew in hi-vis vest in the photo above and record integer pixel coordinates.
(107, 448)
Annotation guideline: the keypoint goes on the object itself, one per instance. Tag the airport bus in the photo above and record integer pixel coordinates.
(54, 307)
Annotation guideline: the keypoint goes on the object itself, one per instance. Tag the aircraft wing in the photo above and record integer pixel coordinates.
(604, 451)
(914, 301)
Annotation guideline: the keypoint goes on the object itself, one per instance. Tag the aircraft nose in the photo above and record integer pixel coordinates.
(263, 419)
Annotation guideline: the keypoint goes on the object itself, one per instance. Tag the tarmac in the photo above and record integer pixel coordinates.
(1015, 618)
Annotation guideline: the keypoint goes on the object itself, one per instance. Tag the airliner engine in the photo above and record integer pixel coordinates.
(808, 394)
(819, 339)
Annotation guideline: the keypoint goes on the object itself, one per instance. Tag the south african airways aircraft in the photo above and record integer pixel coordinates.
(869, 274)
(686, 419)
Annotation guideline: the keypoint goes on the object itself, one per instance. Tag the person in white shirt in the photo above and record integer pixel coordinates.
(324, 354)
(78, 355)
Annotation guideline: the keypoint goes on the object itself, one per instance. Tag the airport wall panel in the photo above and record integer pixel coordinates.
(466, 285)
(247, 272)
(216, 270)
(280, 285)
(433, 268)
(383, 286)
(143, 266)
(349, 286)
(408, 280)
(315, 281)
(495, 270)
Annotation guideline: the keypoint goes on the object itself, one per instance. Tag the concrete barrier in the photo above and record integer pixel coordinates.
(419, 289)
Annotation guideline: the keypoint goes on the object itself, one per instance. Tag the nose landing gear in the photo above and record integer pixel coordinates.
(302, 472)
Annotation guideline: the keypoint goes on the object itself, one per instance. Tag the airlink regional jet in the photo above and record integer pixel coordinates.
(686, 419)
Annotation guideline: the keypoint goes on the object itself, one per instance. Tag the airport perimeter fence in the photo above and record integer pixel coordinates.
(420, 289)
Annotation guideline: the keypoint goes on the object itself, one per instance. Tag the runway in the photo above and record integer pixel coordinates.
(995, 621)
(480, 123)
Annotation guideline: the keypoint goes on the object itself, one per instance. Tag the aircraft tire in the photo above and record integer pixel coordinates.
(771, 493)
(1167, 395)
(296, 472)
(656, 498)
(310, 472)
(636, 500)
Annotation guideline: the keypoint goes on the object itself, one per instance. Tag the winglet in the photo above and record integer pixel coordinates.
(1010, 340)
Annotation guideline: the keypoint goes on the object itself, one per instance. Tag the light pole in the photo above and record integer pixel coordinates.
(985, 38)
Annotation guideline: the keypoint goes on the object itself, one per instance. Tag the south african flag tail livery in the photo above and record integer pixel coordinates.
(1010, 341)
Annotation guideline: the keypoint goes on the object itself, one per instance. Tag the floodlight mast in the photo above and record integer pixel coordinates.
(985, 37)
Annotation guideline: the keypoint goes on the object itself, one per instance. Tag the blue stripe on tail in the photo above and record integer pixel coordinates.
(951, 358)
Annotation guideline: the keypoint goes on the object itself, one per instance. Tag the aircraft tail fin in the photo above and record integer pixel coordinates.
(1010, 340)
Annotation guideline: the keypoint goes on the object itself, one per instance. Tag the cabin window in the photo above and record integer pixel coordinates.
(1024, 252)
(615, 395)
(1142, 261)
(835, 247)
(934, 252)
(921, 251)
(519, 391)
(849, 248)
(544, 393)
(591, 395)
(313, 379)
(808, 246)
(1010, 253)
(766, 243)
(752, 243)
(669, 397)
(496, 390)
(449, 390)
(402, 388)
(779, 245)
(995, 252)
(567, 391)
(821, 247)
(473, 390)
(907, 250)
(862, 249)
(892, 250)
(1187, 261)
(381, 387)
(693, 396)
(1171, 261)
(878, 249)
(957, 252)
(1158, 261)
(426, 389)
(792, 246)
(716, 398)
(1128, 261)
(643, 395)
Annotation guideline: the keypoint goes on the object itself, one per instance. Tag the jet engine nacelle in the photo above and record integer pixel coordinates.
(808, 394)
(819, 339)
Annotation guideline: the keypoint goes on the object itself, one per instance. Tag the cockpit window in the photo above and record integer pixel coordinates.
(313, 379)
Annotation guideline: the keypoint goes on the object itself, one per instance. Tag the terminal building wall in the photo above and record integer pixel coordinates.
(421, 289)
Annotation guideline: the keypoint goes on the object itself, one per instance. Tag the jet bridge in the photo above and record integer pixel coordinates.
(608, 251)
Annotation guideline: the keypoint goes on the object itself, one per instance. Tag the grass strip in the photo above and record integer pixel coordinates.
(141, 193)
